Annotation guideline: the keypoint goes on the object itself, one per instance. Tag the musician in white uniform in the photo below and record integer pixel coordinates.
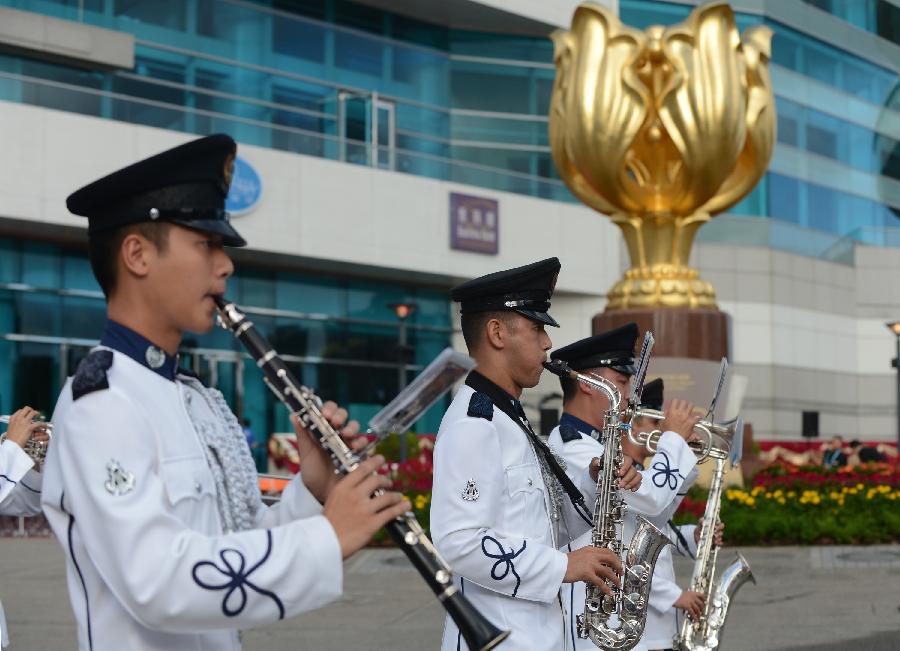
(666, 597)
(150, 486)
(499, 510)
(578, 439)
(20, 481)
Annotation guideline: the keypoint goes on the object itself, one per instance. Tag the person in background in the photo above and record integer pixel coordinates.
(20, 479)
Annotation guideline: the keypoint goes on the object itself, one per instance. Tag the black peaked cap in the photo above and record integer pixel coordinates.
(613, 349)
(526, 290)
(185, 185)
(652, 395)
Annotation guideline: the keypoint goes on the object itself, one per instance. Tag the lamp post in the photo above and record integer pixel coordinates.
(402, 311)
(895, 328)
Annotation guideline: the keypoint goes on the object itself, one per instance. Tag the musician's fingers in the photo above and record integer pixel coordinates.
(373, 482)
(350, 430)
(386, 499)
(395, 511)
(365, 470)
(610, 558)
(40, 435)
(606, 573)
(359, 443)
(328, 409)
(599, 581)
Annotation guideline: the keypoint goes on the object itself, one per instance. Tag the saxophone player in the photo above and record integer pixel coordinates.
(499, 513)
(666, 597)
(150, 486)
(577, 439)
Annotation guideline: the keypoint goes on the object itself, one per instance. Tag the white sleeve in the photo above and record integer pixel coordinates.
(186, 581)
(664, 592)
(687, 532)
(464, 531)
(20, 486)
(663, 477)
(296, 503)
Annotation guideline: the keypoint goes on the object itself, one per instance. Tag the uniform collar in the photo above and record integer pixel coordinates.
(139, 348)
(495, 392)
(568, 420)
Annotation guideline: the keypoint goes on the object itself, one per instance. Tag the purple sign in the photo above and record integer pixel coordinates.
(474, 224)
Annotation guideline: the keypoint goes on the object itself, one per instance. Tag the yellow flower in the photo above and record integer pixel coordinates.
(781, 500)
(750, 501)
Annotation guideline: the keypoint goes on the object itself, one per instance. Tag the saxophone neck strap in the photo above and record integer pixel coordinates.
(681, 539)
(513, 408)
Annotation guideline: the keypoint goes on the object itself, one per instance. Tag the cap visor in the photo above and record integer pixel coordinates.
(627, 370)
(540, 317)
(230, 237)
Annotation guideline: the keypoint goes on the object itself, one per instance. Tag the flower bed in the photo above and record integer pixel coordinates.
(804, 505)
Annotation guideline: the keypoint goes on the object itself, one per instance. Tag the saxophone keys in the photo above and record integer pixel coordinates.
(633, 602)
(638, 573)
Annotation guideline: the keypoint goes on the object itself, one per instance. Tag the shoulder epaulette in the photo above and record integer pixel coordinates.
(480, 406)
(91, 373)
(569, 433)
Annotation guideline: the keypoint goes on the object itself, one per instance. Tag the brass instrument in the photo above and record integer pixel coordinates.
(34, 448)
(714, 437)
(630, 602)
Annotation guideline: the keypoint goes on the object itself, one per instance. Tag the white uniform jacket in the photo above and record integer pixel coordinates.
(20, 494)
(20, 484)
(578, 443)
(130, 495)
(490, 520)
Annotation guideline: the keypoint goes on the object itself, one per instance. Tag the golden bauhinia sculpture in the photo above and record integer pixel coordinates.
(661, 129)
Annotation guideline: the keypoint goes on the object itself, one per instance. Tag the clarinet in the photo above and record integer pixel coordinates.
(407, 533)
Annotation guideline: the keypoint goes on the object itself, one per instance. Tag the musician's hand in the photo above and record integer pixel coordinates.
(717, 539)
(354, 513)
(692, 602)
(594, 565)
(316, 467)
(630, 477)
(680, 418)
(337, 416)
(21, 427)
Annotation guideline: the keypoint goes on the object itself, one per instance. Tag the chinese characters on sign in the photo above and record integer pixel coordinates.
(474, 224)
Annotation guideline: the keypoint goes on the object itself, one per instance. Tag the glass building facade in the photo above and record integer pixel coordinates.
(338, 335)
(348, 82)
(345, 81)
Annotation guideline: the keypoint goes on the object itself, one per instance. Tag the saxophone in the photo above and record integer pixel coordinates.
(629, 603)
(706, 634)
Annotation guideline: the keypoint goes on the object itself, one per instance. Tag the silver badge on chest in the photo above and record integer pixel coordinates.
(155, 357)
(470, 494)
(118, 480)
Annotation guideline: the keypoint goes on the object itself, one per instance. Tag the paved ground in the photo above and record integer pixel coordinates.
(812, 598)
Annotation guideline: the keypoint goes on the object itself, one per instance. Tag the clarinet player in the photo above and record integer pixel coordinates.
(150, 486)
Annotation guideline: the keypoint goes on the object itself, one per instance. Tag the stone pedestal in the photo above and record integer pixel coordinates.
(691, 333)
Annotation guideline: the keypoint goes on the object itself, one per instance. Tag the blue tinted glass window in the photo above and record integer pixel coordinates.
(784, 198)
(164, 13)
